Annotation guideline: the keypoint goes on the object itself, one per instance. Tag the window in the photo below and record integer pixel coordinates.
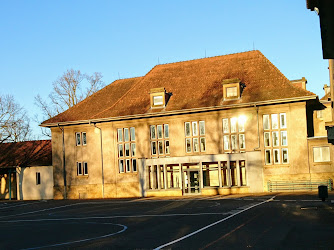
(275, 138)
(231, 89)
(159, 140)
(158, 100)
(210, 175)
(242, 166)
(84, 139)
(233, 168)
(79, 168)
(126, 147)
(231, 92)
(159, 174)
(234, 138)
(80, 138)
(85, 168)
(321, 154)
(319, 114)
(195, 137)
(158, 96)
(38, 178)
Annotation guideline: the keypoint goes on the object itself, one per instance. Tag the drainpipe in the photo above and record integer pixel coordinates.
(258, 128)
(10, 183)
(101, 147)
(64, 170)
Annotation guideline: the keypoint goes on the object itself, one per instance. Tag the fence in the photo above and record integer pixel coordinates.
(301, 185)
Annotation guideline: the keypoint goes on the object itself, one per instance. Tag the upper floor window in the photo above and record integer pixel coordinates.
(159, 137)
(234, 134)
(126, 148)
(195, 136)
(81, 138)
(275, 139)
(82, 168)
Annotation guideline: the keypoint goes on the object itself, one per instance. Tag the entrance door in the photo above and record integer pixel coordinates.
(191, 182)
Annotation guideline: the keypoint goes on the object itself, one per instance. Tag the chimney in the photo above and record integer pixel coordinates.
(327, 89)
(300, 83)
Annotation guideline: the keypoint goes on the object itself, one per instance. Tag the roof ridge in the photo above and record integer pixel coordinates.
(210, 57)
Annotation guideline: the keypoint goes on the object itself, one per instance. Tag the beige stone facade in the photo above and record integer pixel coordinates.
(217, 125)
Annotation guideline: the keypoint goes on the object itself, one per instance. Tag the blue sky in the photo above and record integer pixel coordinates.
(40, 40)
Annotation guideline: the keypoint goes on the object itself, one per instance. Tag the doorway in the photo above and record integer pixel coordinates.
(191, 180)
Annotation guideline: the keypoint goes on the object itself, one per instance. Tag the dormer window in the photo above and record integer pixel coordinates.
(232, 92)
(231, 89)
(159, 97)
(158, 100)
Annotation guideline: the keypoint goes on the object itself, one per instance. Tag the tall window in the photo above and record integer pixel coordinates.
(195, 136)
(38, 178)
(126, 148)
(234, 134)
(275, 137)
(82, 168)
(159, 135)
(80, 138)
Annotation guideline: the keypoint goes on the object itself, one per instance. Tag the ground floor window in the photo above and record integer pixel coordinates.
(160, 176)
(321, 154)
(193, 176)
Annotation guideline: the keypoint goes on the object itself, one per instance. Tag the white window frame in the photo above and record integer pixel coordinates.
(226, 127)
(321, 154)
(79, 169)
(266, 122)
(85, 168)
(232, 92)
(38, 178)
(274, 121)
(84, 141)
(194, 127)
(275, 142)
(242, 140)
(188, 140)
(280, 120)
(287, 151)
(226, 139)
(286, 135)
(201, 126)
(265, 157)
(158, 100)
(133, 134)
(265, 139)
(78, 143)
(276, 160)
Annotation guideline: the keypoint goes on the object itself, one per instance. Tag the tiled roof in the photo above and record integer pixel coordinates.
(193, 84)
(326, 97)
(26, 154)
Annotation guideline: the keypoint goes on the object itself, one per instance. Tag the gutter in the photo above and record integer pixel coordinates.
(184, 111)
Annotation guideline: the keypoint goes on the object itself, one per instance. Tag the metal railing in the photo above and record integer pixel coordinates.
(300, 185)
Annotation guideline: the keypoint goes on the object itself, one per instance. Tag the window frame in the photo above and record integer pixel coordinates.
(38, 178)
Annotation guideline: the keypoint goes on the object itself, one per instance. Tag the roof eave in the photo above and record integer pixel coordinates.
(183, 111)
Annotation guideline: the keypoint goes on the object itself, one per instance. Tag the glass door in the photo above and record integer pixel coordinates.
(191, 181)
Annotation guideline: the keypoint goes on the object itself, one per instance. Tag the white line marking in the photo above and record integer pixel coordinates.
(212, 224)
(20, 205)
(84, 240)
(110, 217)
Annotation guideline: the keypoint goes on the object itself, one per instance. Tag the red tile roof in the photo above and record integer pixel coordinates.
(193, 84)
(26, 154)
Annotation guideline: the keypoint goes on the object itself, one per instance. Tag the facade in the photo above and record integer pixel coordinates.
(220, 125)
(26, 171)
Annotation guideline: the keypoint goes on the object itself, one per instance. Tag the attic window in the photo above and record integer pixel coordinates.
(158, 97)
(231, 92)
(158, 100)
(231, 89)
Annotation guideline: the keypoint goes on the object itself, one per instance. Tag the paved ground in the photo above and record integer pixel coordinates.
(268, 221)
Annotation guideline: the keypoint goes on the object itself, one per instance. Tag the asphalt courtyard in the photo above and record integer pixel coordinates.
(268, 221)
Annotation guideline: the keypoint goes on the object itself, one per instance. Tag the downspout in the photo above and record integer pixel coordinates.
(101, 147)
(64, 170)
(258, 128)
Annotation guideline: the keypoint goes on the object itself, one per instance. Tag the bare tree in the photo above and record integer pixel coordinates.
(68, 90)
(14, 123)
